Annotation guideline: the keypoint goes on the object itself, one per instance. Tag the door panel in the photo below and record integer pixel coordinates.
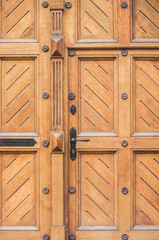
(96, 19)
(18, 19)
(19, 95)
(147, 190)
(146, 17)
(97, 190)
(146, 95)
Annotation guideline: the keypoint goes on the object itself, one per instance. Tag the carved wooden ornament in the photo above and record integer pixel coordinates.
(57, 47)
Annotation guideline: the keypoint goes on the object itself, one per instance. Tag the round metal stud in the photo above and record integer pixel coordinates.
(125, 190)
(72, 236)
(124, 143)
(124, 4)
(125, 237)
(46, 236)
(45, 48)
(45, 190)
(45, 95)
(124, 96)
(71, 53)
(71, 96)
(45, 143)
(124, 52)
(72, 189)
(68, 5)
(45, 4)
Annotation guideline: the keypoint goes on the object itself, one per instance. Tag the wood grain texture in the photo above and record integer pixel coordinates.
(57, 190)
(97, 93)
(96, 19)
(147, 92)
(97, 189)
(147, 190)
(56, 4)
(57, 86)
(18, 19)
(18, 98)
(18, 189)
(146, 19)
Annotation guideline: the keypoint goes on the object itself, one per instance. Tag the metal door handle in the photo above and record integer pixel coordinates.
(73, 140)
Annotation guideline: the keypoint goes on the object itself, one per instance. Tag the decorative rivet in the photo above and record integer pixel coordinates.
(46, 236)
(124, 4)
(45, 143)
(72, 189)
(71, 53)
(45, 48)
(68, 5)
(124, 96)
(124, 52)
(45, 190)
(125, 190)
(45, 95)
(71, 96)
(72, 236)
(45, 4)
(73, 109)
(124, 143)
(125, 236)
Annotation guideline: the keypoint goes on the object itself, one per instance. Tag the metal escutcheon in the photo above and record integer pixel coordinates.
(46, 236)
(71, 96)
(45, 48)
(45, 143)
(45, 4)
(124, 4)
(124, 143)
(45, 190)
(45, 95)
(73, 109)
(125, 236)
(71, 53)
(68, 5)
(72, 189)
(124, 52)
(124, 96)
(72, 236)
(125, 190)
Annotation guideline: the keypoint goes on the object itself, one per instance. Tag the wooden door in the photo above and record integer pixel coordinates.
(113, 71)
(25, 121)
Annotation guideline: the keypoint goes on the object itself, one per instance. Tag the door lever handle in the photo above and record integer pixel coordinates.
(73, 140)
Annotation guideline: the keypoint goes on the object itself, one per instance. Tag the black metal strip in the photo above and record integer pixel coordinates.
(17, 142)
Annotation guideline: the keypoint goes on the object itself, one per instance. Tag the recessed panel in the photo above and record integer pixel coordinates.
(146, 96)
(18, 19)
(97, 96)
(96, 19)
(97, 177)
(147, 189)
(18, 95)
(18, 189)
(146, 19)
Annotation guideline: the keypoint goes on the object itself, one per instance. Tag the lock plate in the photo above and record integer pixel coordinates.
(73, 143)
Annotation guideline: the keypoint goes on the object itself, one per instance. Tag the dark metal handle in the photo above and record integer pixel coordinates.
(73, 140)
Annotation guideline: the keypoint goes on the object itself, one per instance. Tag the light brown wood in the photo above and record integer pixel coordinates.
(107, 119)
(98, 73)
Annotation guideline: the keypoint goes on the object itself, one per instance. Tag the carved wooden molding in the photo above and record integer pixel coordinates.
(57, 141)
